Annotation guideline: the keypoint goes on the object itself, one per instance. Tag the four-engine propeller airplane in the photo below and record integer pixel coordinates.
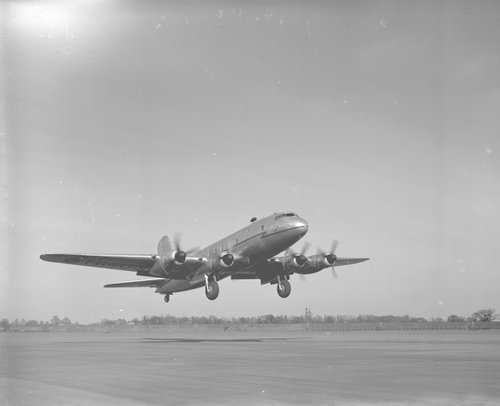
(246, 254)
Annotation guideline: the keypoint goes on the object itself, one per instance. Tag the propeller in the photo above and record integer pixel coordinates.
(330, 257)
(180, 255)
(322, 259)
(228, 258)
(165, 248)
(300, 259)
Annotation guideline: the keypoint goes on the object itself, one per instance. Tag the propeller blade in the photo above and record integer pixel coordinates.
(332, 257)
(335, 244)
(180, 255)
(164, 246)
(329, 257)
(305, 247)
(177, 241)
(302, 277)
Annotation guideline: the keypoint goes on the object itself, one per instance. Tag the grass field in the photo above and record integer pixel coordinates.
(251, 368)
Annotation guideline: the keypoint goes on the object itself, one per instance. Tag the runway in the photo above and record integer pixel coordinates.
(257, 368)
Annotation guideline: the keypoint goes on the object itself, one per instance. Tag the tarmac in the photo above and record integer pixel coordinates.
(251, 368)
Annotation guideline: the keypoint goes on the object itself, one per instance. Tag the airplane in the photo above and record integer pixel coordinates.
(249, 253)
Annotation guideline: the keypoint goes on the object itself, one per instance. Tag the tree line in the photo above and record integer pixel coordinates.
(483, 315)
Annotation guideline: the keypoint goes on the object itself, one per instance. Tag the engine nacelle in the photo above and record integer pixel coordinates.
(172, 260)
(226, 260)
(329, 259)
(295, 263)
(179, 257)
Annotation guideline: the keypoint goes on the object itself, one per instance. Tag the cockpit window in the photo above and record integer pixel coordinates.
(285, 215)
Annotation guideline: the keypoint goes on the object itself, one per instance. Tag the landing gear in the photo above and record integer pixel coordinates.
(167, 298)
(211, 287)
(284, 288)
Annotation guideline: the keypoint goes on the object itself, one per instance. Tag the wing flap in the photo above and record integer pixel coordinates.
(150, 283)
(133, 263)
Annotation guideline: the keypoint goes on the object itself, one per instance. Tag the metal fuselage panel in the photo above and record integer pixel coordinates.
(261, 239)
(258, 241)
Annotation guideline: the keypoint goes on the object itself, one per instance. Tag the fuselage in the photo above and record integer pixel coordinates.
(258, 241)
(261, 239)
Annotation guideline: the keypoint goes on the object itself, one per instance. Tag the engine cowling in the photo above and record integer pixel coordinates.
(316, 263)
(179, 257)
(329, 259)
(295, 263)
(300, 260)
(226, 260)
(172, 260)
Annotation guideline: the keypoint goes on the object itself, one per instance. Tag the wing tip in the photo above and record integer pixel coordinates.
(53, 257)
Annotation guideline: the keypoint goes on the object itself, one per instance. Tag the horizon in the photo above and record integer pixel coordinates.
(306, 315)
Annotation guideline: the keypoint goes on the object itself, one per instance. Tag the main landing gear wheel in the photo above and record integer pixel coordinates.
(284, 288)
(167, 298)
(212, 290)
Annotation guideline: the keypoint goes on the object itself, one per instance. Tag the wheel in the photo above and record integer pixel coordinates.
(212, 290)
(166, 298)
(284, 288)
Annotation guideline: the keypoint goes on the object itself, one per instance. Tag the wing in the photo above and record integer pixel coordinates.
(349, 261)
(267, 271)
(133, 263)
(150, 283)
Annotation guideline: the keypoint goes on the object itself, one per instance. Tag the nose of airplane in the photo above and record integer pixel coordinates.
(302, 226)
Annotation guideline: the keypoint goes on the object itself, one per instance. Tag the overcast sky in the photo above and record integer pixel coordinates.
(378, 122)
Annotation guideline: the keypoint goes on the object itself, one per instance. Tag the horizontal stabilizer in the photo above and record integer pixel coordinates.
(151, 283)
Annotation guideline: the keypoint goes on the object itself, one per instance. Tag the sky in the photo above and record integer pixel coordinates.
(376, 121)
